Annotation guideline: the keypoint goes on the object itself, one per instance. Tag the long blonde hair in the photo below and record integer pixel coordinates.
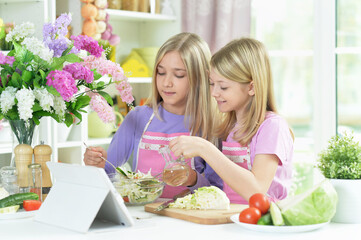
(195, 55)
(246, 60)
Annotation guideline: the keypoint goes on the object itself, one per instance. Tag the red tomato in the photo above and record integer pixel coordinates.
(260, 201)
(31, 205)
(125, 199)
(250, 215)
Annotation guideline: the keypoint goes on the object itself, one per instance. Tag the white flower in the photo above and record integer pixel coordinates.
(59, 106)
(38, 48)
(7, 99)
(46, 100)
(82, 54)
(26, 101)
(20, 32)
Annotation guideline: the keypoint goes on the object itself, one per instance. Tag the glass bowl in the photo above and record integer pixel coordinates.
(137, 191)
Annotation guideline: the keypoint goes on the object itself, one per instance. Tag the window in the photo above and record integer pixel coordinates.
(286, 28)
(348, 54)
(309, 50)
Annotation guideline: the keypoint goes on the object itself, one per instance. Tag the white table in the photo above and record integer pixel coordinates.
(149, 226)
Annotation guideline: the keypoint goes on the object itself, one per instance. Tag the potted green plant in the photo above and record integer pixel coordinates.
(341, 163)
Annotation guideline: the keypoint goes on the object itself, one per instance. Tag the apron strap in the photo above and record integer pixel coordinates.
(140, 140)
(141, 137)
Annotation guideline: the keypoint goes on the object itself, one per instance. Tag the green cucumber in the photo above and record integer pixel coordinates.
(265, 220)
(17, 199)
(276, 215)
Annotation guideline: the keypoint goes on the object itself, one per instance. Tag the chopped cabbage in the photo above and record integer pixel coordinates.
(203, 198)
(317, 205)
(139, 188)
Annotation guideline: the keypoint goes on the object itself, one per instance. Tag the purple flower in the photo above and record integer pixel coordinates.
(80, 72)
(87, 43)
(63, 82)
(54, 34)
(62, 23)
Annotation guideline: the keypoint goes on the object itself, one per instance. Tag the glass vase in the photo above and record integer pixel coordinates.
(23, 152)
(23, 130)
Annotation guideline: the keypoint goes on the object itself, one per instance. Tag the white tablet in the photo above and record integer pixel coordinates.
(81, 194)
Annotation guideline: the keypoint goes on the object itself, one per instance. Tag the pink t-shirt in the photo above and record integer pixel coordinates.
(273, 137)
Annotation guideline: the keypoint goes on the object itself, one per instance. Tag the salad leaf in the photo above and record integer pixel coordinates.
(137, 187)
(317, 205)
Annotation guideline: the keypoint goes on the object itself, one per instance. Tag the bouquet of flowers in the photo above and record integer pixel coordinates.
(57, 77)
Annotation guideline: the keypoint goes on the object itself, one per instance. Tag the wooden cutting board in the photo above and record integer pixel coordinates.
(209, 217)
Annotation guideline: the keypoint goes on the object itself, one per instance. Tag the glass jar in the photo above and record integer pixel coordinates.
(35, 179)
(176, 171)
(9, 176)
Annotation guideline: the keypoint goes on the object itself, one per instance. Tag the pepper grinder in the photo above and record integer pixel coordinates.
(42, 154)
(23, 157)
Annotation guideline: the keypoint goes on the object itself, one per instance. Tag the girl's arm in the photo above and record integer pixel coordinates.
(241, 180)
(122, 144)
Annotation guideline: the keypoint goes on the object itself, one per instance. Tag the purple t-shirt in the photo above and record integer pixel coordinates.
(273, 137)
(126, 140)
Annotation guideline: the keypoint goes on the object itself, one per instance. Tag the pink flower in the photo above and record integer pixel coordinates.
(106, 67)
(125, 91)
(63, 82)
(87, 43)
(101, 106)
(6, 59)
(79, 72)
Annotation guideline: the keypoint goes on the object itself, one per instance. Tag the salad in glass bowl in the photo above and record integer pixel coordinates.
(136, 188)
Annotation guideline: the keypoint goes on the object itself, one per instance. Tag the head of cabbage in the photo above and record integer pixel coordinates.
(317, 205)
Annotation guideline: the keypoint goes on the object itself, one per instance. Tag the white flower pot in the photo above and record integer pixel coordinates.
(349, 200)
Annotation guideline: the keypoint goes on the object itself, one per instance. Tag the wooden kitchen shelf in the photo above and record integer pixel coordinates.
(137, 16)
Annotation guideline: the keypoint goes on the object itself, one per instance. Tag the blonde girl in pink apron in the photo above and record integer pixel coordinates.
(257, 144)
(180, 104)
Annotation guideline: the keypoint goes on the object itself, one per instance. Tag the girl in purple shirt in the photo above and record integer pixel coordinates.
(180, 104)
(257, 144)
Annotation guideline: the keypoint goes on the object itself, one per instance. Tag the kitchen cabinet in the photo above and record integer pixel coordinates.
(135, 29)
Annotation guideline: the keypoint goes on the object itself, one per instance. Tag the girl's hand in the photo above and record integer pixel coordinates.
(92, 156)
(188, 146)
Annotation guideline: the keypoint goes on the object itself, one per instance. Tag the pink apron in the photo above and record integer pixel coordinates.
(242, 157)
(150, 159)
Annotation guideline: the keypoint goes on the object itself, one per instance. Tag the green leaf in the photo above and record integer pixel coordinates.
(96, 75)
(42, 74)
(26, 76)
(36, 81)
(78, 115)
(37, 107)
(4, 80)
(15, 80)
(57, 64)
(72, 58)
(13, 114)
(107, 97)
(28, 56)
(36, 120)
(67, 50)
(20, 51)
(52, 90)
(68, 119)
(82, 101)
(100, 85)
